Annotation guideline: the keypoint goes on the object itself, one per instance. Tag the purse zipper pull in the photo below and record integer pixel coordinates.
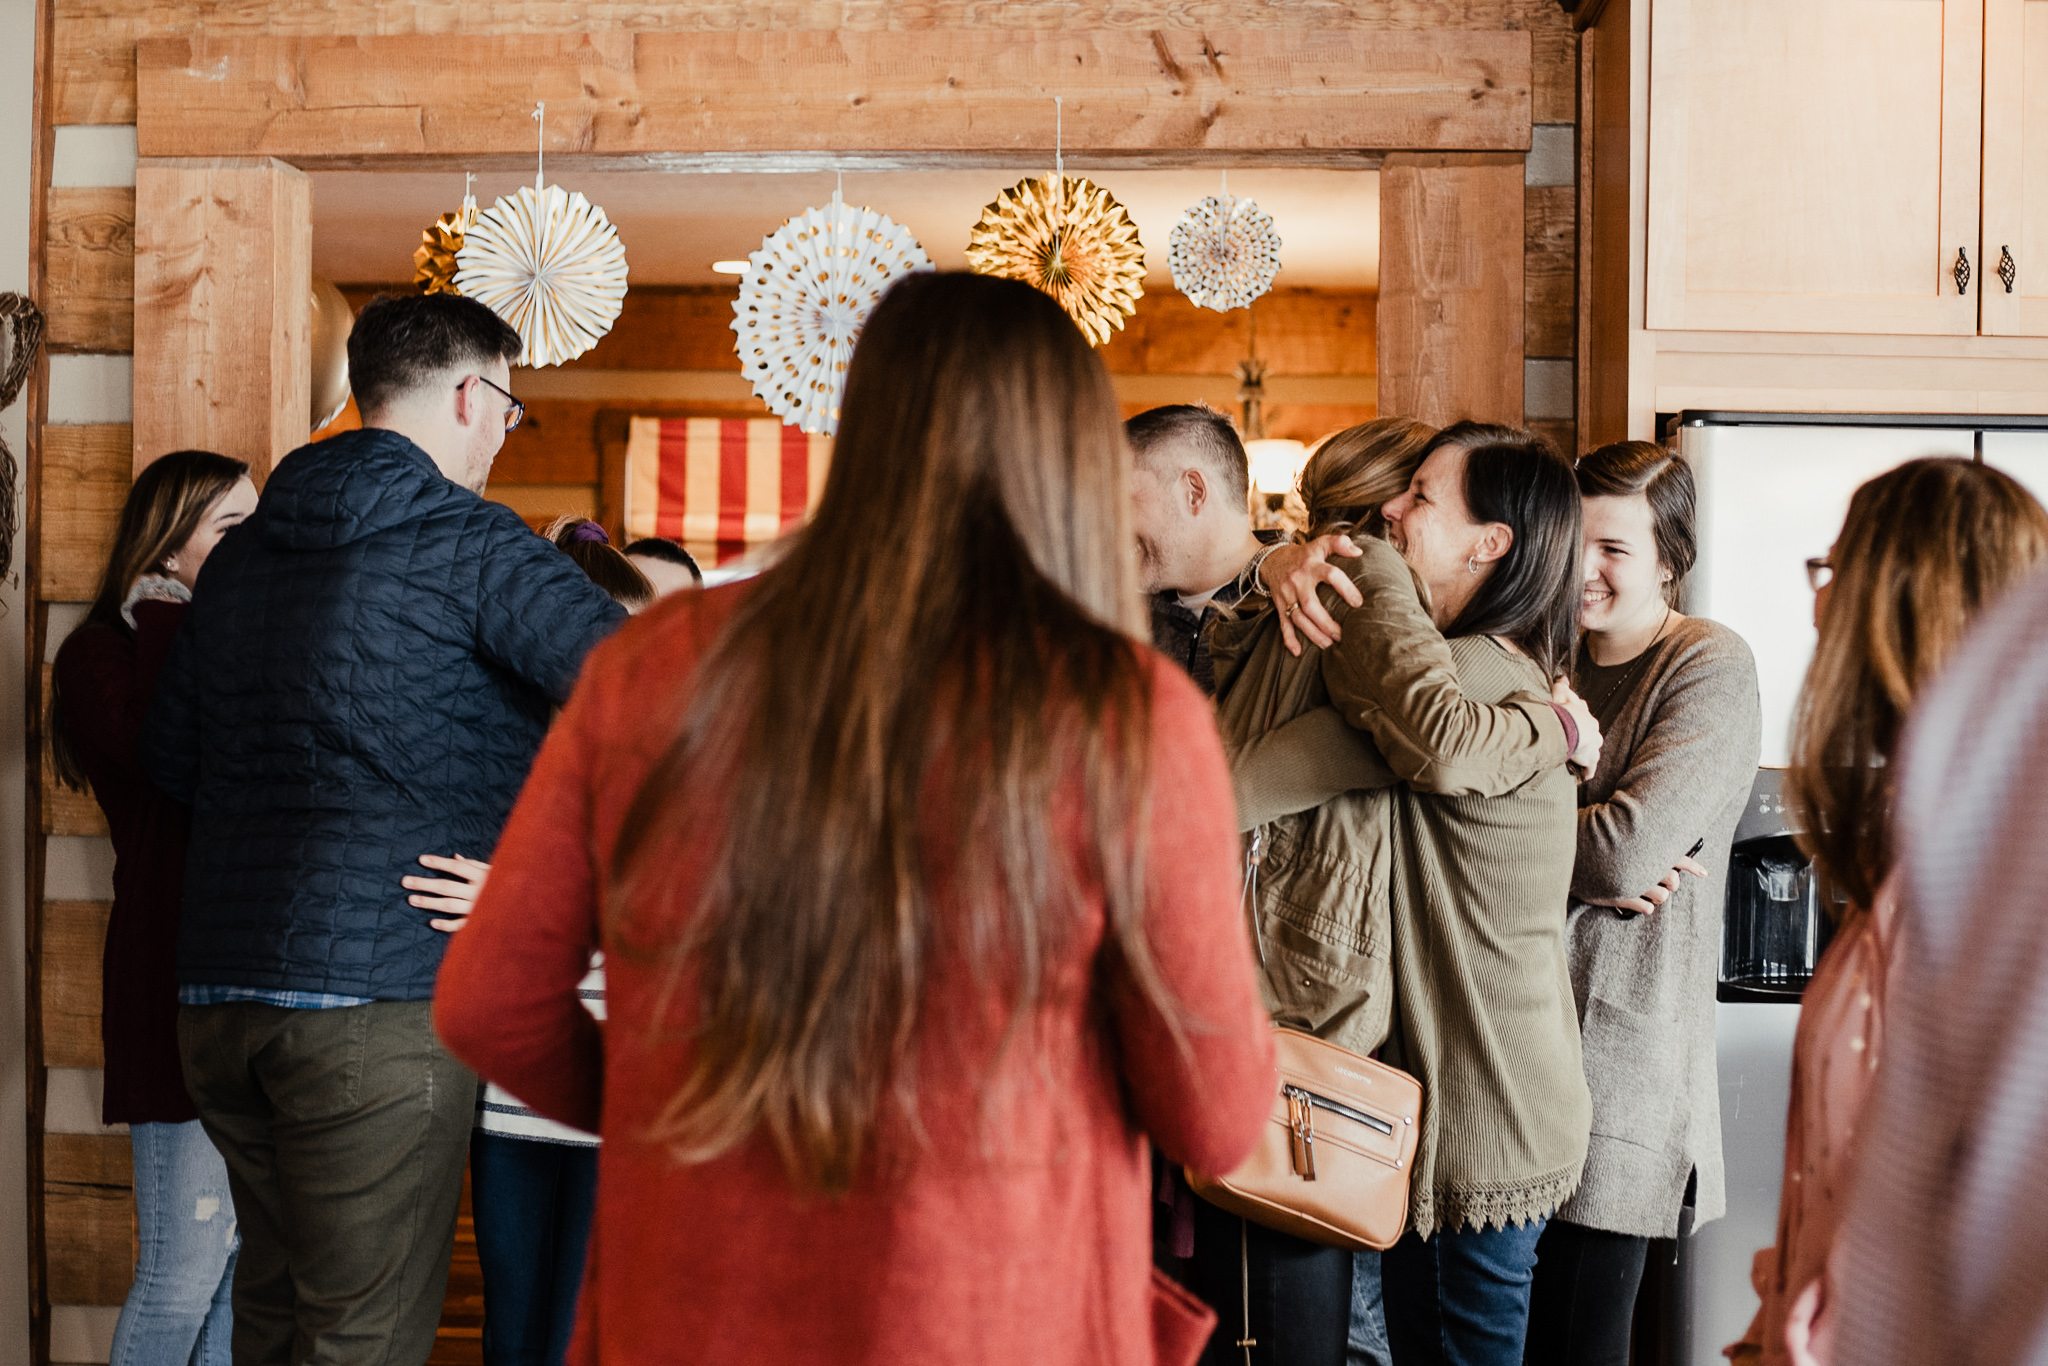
(1301, 1119)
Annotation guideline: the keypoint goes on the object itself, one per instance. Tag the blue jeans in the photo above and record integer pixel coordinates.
(1460, 1299)
(179, 1309)
(1367, 1344)
(532, 1203)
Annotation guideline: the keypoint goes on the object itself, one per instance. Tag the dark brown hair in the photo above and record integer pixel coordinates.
(945, 648)
(1532, 596)
(1663, 477)
(1924, 549)
(164, 507)
(1199, 429)
(607, 568)
(1355, 473)
(401, 341)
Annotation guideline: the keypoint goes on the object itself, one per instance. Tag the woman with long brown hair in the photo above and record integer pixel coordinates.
(178, 509)
(916, 881)
(1924, 550)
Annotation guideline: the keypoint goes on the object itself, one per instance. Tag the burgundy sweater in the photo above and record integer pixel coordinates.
(104, 679)
(1025, 1242)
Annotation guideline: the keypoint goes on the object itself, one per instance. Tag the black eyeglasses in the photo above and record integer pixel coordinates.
(515, 414)
(1819, 573)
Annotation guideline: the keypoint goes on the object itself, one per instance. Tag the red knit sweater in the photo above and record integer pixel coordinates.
(1016, 1232)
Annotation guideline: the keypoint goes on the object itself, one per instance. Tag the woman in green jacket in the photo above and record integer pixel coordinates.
(1476, 871)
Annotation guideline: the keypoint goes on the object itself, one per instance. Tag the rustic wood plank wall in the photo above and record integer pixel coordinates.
(79, 1187)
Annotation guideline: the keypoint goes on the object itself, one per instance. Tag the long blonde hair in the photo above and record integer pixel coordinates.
(1924, 549)
(947, 646)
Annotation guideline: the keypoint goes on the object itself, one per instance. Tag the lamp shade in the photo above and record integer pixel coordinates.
(1275, 463)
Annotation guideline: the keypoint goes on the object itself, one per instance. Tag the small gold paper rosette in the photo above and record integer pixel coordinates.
(433, 260)
(804, 300)
(1224, 253)
(549, 262)
(1067, 236)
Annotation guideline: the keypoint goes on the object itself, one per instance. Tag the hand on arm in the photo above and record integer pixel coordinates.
(1290, 576)
(454, 896)
(1657, 895)
(1586, 757)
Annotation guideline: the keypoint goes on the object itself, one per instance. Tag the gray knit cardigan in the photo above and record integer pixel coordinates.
(1679, 757)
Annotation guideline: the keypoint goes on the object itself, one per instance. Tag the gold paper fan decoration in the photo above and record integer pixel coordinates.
(433, 261)
(1070, 238)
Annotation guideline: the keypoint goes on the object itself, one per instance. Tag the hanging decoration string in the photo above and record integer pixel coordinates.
(540, 160)
(1059, 135)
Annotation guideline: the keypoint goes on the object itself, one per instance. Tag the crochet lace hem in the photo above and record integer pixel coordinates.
(1480, 1208)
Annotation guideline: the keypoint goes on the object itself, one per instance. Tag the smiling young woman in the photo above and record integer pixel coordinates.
(1676, 699)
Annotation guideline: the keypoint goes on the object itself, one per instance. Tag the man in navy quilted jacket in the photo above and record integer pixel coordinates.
(365, 676)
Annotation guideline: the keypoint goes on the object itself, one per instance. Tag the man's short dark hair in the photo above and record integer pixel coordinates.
(401, 341)
(1202, 431)
(662, 548)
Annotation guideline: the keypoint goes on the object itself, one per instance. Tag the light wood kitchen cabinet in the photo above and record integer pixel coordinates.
(2016, 168)
(1814, 165)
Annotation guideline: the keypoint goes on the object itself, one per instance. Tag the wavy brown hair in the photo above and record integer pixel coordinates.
(946, 649)
(1924, 549)
(164, 507)
(1359, 470)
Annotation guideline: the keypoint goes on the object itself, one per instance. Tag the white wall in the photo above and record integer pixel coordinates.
(17, 135)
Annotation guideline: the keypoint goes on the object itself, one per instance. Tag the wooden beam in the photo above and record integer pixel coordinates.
(86, 474)
(969, 90)
(223, 280)
(1450, 317)
(74, 937)
(90, 1236)
(89, 270)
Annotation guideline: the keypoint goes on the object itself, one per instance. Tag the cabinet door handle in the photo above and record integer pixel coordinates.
(1962, 271)
(2008, 269)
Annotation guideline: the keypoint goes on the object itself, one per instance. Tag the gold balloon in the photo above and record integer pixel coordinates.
(1067, 236)
(332, 319)
(433, 261)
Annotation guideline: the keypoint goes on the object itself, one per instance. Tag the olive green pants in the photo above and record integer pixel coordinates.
(344, 1131)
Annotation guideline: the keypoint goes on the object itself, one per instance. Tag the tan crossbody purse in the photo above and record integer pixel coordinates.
(1334, 1161)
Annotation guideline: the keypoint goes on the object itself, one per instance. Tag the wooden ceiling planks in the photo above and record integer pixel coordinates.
(834, 93)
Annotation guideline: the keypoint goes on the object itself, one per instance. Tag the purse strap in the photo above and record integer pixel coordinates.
(1244, 1266)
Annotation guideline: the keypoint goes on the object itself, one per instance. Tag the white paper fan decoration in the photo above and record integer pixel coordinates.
(805, 296)
(1224, 253)
(548, 262)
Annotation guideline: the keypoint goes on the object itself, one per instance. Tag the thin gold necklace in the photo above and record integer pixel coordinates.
(1629, 671)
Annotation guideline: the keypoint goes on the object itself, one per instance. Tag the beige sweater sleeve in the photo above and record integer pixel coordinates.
(1392, 676)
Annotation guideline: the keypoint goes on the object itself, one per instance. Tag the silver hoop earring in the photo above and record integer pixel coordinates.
(1472, 565)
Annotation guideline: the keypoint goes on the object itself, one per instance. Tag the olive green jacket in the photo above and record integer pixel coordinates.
(1382, 708)
(1382, 721)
